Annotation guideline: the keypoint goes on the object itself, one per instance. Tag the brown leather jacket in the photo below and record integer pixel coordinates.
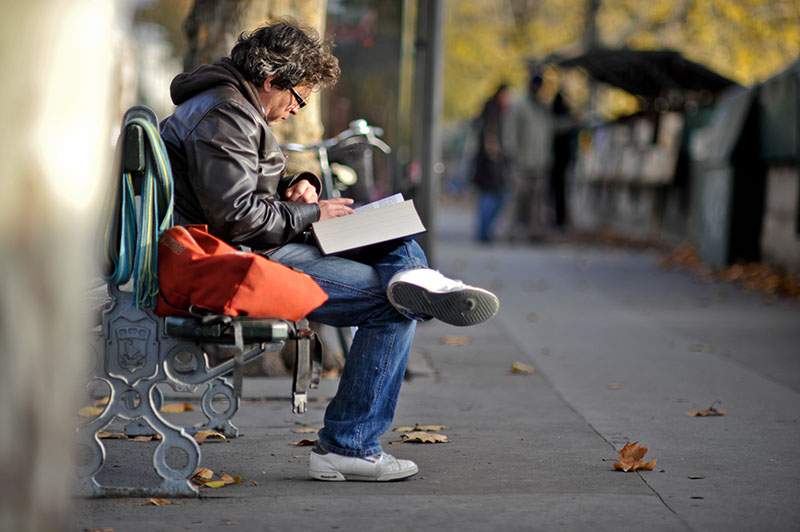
(227, 166)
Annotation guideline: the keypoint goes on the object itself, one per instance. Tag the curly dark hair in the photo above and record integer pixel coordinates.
(294, 54)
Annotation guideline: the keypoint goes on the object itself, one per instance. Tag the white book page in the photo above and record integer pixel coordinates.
(395, 198)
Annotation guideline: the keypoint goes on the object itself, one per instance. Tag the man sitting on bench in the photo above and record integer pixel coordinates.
(229, 174)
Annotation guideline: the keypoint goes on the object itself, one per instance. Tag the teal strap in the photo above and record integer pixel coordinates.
(130, 243)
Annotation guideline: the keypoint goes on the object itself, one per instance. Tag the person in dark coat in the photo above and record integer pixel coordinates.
(491, 163)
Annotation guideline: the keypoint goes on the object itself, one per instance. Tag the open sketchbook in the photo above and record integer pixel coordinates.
(381, 221)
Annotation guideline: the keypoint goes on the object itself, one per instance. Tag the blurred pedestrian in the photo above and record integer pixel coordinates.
(491, 162)
(529, 143)
(564, 134)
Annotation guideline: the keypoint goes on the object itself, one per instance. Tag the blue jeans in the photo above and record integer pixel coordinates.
(364, 405)
(490, 203)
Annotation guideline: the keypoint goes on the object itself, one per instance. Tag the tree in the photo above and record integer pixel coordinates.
(488, 41)
(55, 152)
(211, 31)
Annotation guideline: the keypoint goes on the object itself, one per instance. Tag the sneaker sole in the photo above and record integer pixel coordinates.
(469, 306)
(336, 476)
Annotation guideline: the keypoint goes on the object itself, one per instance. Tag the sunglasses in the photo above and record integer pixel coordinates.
(300, 101)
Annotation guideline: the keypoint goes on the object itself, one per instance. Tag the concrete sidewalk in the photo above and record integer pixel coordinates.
(621, 350)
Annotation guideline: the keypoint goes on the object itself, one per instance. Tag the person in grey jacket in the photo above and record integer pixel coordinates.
(529, 141)
(229, 174)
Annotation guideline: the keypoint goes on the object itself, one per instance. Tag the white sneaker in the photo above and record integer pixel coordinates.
(427, 292)
(377, 468)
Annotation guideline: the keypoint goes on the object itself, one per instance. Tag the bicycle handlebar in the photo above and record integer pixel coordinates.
(357, 128)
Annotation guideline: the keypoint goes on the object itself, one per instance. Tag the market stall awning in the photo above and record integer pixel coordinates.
(647, 72)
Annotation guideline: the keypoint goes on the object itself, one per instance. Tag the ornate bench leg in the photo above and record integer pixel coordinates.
(137, 427)
(219, 421)
(130, 362)
(307, 367)
(137, 402)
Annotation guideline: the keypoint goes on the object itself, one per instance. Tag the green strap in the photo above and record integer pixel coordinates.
(130, 243)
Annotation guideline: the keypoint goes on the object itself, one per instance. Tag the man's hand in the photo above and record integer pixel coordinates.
(334, 208)
(302, 192)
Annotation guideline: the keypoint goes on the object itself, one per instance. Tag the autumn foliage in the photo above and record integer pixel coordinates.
(630, 458)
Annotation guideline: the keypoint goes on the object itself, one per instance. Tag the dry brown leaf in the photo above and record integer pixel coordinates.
(303, 443)
(306, 431)
(203, 474)
(456, 340)
(630, 458)
(177, 408)
(107, 435)
(142, 438)
(102, 401)
(90, 411)
(422, 437)
(203, 435)
(157, 502)
(425, 428)
(203, 478)
(711, 411)
(519, 367)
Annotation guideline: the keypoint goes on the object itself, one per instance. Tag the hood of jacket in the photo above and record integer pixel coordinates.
(222, 72)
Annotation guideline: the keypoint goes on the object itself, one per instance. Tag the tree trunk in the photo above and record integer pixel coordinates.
(55, 149)
(212, 28)
(590, 37)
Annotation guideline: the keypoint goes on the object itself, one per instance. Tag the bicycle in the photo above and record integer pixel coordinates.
(339, 178)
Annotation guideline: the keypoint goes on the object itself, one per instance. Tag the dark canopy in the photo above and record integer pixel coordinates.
(647, 73)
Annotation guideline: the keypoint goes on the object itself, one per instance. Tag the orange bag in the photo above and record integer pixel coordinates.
(198, 271)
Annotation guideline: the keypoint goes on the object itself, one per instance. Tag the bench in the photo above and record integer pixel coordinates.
(135, 351)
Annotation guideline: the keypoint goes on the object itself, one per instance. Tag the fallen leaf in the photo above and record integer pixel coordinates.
(630, 458)
(711, 411)
(203, 478)
(254, 483)
(425, 428)
(203, 474)
(156, 502)
(303, 443)
(102, 401)
(519, 367)
(456, 340)
(107, 435)
(142, 438)
(613, 386)
(422, 437)
(203, 435)
(177, 408)
(90, 411)
(306, 431)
